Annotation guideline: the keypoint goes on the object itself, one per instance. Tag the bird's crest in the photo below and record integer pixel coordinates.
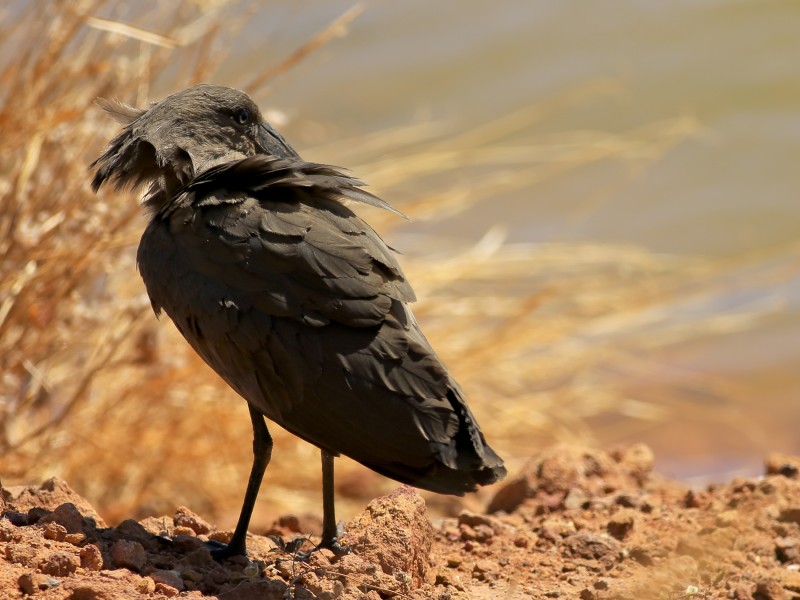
(122, 113)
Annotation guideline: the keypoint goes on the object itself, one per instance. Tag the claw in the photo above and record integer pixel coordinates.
(333, 545)
(220, 551)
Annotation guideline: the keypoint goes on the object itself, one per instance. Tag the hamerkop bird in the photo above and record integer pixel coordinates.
(290, 297)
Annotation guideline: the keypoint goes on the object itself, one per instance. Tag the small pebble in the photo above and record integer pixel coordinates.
(61, 564)
(30, 583)
(186, 518)
(54, 531)
(167, 590)
(91, 558)
(128, 554)
(168, 578)
(76, 539)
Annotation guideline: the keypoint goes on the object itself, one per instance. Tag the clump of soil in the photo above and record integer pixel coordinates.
(575, 523)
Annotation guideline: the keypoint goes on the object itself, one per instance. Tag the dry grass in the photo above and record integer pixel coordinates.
(96, 391)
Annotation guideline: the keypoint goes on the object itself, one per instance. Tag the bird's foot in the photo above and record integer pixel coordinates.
(220, 551)
(330, 540)
(338, 549)
(328, 543)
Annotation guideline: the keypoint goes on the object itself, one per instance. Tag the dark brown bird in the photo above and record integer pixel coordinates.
(290, 297)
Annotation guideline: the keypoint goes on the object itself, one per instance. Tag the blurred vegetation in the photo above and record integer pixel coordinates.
(98, 392)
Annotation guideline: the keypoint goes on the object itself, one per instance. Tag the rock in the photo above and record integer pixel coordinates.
(575, 499)
(91, 558)
(787, 549)
(134, 531)
(200, 558)
(128, 555)
(95, 591)
(348, 564)
(55, 531)
(186, 543)
(260, 547)
(395, 533)
(554, 528)
(17, 519)
(559, 470)
(790, 514)
(743, 591)
(170, 578)
(76, 539)
(644, 555)
(49, 495)
(562, 467)
(790, 580)
(116, 573)
(485, 570)
(697, 499)
(290, 523)
(21, 554)
(473, 519)
(60, 564)
(195, 576)
(637, 460)
(30, 583)
(221, 536)
(607, 551)
(8, 531)
(186, 518)
(36, 514)
(628, 500)
(621, 523)
(146, 585)
(769, 590)
(166, 590)
(68, 516)
(479, 533)
(158, 527)
(511, 496)
(782, 464)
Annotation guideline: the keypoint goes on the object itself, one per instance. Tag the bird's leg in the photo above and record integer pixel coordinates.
(262, 452)
(330, 532)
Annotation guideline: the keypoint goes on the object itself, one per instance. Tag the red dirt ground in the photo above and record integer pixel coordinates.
(576, 523)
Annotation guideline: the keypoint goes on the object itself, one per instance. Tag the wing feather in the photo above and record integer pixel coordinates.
(276, 232)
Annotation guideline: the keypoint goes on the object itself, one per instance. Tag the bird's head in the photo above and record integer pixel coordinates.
(181, 136)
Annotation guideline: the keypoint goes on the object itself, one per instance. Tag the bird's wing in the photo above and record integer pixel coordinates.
(301, 308)
(259, 263)
(276, 233)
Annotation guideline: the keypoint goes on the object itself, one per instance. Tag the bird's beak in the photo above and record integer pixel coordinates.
(272, 142)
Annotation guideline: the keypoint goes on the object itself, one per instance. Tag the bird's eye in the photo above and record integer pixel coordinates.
(242, 116)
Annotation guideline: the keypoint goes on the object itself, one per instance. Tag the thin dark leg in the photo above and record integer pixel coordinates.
(330, 533)
(262, 452)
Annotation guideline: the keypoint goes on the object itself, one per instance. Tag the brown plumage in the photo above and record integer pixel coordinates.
(289, 296)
